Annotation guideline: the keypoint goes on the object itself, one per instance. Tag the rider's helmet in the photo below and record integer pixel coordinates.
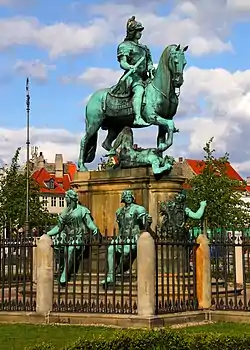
(132, 26)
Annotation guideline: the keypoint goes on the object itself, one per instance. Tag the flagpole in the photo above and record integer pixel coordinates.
(27, 156)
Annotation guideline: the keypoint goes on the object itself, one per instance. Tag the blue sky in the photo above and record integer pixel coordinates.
(68, 49)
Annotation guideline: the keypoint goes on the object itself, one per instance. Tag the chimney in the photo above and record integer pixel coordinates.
(58, 165)
(180, 159)
(40, 161)
(248, 180)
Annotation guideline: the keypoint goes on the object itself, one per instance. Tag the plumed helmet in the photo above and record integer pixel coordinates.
(133, 25)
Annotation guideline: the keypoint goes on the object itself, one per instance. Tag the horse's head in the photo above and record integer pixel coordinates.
(176, 64)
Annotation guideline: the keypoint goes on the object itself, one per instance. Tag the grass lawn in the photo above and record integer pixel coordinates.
(19, 336)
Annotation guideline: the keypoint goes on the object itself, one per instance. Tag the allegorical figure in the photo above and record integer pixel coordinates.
(129, 157)
(129, 52)
(74, 223)
(131, 219)
(175, 214)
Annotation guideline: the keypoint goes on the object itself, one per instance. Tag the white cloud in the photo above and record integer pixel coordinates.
(239, 5)
(50, 141)
(204, 25)
(35, 69)
(195, 23)
(58, 39)
(95, 77)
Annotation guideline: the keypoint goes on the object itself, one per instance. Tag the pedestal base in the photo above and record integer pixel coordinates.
(100, 191)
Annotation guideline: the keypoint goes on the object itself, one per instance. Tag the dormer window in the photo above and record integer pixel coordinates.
(50, 184)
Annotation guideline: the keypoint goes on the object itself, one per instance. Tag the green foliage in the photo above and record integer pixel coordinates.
(225, 208)
(107, 163)
(13, 198)
(159, 339)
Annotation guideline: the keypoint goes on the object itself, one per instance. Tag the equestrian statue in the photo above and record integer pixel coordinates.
(142, 97)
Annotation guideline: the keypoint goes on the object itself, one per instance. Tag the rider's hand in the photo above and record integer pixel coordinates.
(132, 68)
(151, 71)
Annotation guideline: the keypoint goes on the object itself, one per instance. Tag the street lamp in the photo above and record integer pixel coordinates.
(27, 156)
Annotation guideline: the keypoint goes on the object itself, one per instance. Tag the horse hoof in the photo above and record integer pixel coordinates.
(82, 168)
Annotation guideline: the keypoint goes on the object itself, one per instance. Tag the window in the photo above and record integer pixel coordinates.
(61, 202)
(50, 184)
(53, 201)
(44, 201)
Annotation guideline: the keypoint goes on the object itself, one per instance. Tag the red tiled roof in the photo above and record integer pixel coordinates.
(61, 184)
(198, 165)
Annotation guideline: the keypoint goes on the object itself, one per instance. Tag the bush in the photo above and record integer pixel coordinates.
(159, 339)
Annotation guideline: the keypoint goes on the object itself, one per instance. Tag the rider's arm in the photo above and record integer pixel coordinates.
(124, 63)
(149, 60)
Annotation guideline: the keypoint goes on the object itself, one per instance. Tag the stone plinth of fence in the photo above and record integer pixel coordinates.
(203, 272)
(146, 275)
(44, 275)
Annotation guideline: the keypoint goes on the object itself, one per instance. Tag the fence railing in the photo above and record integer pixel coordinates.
(230, 270)
(100, 276)
(95, 276)
(16, 275)
(175, 275)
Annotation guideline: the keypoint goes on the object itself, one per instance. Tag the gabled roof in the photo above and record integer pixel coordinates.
(61, 184)
(198, 165)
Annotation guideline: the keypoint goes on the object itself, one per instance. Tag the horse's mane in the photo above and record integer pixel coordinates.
(165, 54)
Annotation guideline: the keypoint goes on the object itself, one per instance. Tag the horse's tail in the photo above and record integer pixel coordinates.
(94, 119)
(90, 148)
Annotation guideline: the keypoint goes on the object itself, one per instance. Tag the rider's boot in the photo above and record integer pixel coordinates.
(137, 104)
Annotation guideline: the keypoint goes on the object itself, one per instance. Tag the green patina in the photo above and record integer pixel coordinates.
(131, 219)
(71, 232)
(175, 214)
(143, 96)
(130, 157)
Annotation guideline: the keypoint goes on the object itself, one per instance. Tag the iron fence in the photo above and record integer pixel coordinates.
(16, 274)
(86, 265)
(230, 270)
(175, 274)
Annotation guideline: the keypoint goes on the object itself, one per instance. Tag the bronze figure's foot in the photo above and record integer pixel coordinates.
(140, 122)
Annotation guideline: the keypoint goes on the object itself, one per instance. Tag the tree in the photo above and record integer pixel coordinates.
(13, 199)
(225, 208)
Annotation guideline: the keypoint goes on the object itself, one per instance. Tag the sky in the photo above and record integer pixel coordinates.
(68, 50)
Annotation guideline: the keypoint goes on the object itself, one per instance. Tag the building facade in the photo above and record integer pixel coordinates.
(53, 178)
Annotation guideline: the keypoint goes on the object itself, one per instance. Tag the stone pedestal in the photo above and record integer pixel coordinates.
(100, 191)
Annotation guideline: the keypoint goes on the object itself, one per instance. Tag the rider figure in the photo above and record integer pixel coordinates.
(129, 52)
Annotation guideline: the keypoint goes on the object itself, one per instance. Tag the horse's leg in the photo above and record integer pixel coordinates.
(167, 124)
(112, 134)
(81, 166)
(161, 138)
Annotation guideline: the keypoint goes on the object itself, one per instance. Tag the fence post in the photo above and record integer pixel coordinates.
(203, 273)
(146, 275)
(44, 287)
(34, 260)
(238, 258)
